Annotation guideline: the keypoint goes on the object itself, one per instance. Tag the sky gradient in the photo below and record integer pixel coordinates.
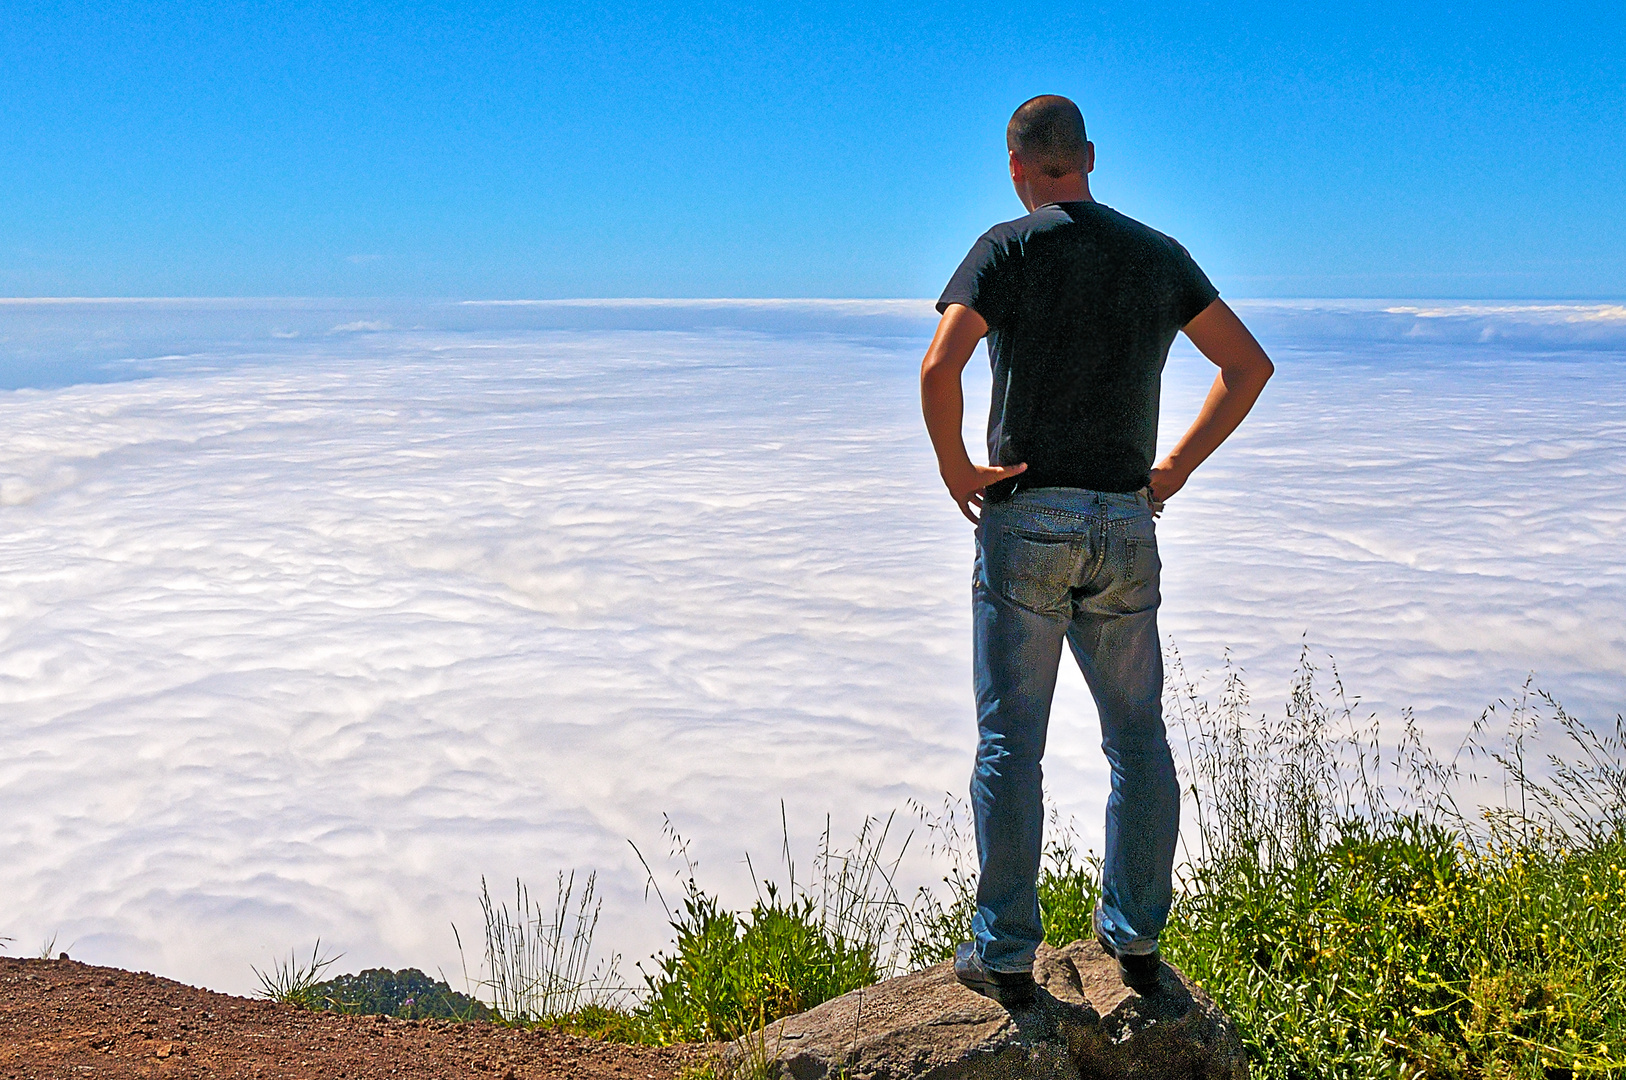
(673, 149)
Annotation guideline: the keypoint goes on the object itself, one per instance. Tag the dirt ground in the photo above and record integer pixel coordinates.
(59, 1018)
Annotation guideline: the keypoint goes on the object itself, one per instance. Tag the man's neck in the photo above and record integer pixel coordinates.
(1043, 190)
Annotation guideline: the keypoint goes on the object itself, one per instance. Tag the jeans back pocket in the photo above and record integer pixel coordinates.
(1035, 570)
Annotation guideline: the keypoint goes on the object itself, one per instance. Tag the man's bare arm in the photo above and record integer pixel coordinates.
(1243, 371)
(944, 405)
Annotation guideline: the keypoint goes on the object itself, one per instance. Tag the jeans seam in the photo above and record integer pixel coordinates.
(1046, 512)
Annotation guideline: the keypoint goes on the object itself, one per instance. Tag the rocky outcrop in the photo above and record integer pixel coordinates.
(1084, 1025)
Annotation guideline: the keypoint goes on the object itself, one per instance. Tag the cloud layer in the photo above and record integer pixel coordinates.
(303, 631)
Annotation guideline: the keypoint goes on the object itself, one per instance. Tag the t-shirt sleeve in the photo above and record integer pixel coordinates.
(983, 282)
(1193, 291)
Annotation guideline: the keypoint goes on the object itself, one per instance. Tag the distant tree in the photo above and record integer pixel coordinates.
(407, 993)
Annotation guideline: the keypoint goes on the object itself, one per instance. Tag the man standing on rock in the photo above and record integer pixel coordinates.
(1080, 305)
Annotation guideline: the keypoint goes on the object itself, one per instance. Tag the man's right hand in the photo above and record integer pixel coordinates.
(957, 335)
(967, 487)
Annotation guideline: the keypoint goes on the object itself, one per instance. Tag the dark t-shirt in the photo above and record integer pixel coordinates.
(1082, 304)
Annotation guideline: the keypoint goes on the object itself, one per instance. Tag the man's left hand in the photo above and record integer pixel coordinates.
(1166, 480)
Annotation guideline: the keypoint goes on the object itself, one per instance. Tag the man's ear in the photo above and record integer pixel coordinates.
(1089, 157)
(1018, 173)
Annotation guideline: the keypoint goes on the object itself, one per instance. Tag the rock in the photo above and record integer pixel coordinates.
(1085, 1025)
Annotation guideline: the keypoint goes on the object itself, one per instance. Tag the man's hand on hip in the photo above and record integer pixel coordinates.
(1244, 370)
(968, 488)
(1167, 478)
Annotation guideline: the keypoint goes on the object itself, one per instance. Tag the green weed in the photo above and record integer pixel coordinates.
(802, 943)
(940, 917)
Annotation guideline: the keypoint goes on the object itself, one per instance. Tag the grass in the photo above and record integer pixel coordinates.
(1332, 897)
(295, 981)
(48, 949)
(1354, 922)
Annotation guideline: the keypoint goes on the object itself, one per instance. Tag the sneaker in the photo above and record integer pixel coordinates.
(1012, 989)
(1140, 972)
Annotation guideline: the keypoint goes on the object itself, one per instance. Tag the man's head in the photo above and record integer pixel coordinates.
(1047, 134)
(1051, 158)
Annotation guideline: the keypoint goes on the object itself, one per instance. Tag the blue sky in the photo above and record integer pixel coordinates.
(680, 149)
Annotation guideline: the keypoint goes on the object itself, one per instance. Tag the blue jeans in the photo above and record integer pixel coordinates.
(1056, 563)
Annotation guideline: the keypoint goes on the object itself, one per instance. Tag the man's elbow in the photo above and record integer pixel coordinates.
(936, 370)
(1254, 370)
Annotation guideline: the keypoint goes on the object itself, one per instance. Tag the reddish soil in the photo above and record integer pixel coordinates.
(59, 1018)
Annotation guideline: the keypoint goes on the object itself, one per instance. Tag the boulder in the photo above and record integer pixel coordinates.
(1084, 1025)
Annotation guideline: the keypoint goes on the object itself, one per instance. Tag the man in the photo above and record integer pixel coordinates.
(1079, 305)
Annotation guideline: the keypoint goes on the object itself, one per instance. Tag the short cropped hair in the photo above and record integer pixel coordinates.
(1048, 131)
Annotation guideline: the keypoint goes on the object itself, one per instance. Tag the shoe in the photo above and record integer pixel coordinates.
(1140, 972)
(1012, 989)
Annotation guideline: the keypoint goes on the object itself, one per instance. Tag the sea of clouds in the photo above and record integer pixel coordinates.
(313, 613)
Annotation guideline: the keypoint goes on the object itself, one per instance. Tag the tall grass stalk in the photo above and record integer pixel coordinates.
(940, 917)
(539, 965)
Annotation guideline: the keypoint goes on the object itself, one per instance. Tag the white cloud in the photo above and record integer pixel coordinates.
(1564, 313)
(304, 642)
